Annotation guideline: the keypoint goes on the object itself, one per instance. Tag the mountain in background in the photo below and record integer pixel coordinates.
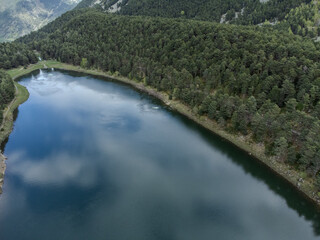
(19, 17)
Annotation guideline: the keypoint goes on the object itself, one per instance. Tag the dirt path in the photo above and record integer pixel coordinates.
(9, 107)
(2, 157)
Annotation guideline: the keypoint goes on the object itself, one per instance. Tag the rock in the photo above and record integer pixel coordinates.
(298, 185)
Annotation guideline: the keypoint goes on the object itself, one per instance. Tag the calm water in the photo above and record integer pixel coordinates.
(93, 159)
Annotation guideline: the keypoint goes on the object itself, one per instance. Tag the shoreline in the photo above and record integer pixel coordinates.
(297, 179)
(21, 95)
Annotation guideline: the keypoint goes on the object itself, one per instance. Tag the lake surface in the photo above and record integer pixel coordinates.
(93, 159)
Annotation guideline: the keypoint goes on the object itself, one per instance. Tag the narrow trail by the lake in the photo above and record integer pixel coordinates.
(2, 157)
(21, 95)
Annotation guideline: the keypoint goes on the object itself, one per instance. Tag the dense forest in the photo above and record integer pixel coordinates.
(7, 91)
(13, 55)
(235, 11)
(253, 81)
(296, 16)
(303, 20)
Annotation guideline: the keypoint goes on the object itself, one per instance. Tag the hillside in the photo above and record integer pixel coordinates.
(245, 12)
(253, 81)
(299, 17)
(303, 20)
(20, 17)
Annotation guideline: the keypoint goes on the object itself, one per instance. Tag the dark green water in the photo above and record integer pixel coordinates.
(93, 159)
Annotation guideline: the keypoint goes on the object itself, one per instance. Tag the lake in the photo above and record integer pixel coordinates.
(90, 158)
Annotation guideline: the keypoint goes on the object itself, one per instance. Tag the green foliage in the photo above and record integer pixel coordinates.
(13, 55)
(318, 182)
(84, 63)
(303, 20)
(237, 11)
(7, 91)
(281, 148)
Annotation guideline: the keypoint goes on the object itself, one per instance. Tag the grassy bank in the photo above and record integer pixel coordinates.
(293, 176)
(21, 96)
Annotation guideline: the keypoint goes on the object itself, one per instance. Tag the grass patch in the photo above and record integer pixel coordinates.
(21, 97)
(303, 175)
(20, 71)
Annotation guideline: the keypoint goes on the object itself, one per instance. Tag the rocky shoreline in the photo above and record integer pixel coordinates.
(22, 95)
(2, 169)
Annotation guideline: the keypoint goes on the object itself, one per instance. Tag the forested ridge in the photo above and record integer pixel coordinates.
(300, 17)
(295, 16)
(245, 12)
(303, 20)
(237, 11)
(251, 80)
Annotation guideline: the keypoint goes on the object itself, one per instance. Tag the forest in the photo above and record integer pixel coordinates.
(7, 91)
(299, 17)
(245, 12)
(253, 81)
(293, 16)
(302, 20)
(13, 55)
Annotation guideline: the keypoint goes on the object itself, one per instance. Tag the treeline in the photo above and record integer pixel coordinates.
(13, 55)
(251, 80)
(299, 17)
(244, 12)
(271, 10)
(7, 91)
(303, 20)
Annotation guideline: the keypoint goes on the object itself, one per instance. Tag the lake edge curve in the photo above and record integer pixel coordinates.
(21, 96)
(286, 172)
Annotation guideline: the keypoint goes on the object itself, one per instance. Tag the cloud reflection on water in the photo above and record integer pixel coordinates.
(119, 169)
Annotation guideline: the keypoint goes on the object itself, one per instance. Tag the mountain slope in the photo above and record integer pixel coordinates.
(303, 20)
(244, 12)
(20, 17)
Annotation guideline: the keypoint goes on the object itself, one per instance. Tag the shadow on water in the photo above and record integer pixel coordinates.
(294, 199)
(15, 116)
